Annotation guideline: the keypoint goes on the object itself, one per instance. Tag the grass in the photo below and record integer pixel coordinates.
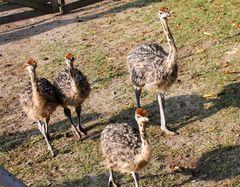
(203, 105)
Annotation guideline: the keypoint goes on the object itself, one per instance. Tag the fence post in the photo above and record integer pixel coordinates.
(55, 5)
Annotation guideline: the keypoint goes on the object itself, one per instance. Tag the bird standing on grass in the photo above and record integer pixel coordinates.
(39, 100)
(124, 149)
(151, 67)
(73, 88)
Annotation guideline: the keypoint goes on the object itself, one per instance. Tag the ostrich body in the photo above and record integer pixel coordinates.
(151, 67)
(39, 100)
(73, 88)
(124, 149)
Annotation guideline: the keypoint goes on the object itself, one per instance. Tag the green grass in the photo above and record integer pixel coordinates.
(208, 127)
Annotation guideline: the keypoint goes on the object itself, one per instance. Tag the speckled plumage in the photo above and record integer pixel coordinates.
(72, 86)
(41, 105)
(122, 148)
(148, 67)
(125, 149)
(39, 100)
(151, 67)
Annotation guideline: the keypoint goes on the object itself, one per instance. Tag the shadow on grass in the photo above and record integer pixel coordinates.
(180, 111)
(216, 165)
(11, 141)
(20, 16)
(184, 109)
(93, 180)
(101, 180)
(120, 8)
(35, 29)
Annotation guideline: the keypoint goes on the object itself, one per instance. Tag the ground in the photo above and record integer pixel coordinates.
(202, 106)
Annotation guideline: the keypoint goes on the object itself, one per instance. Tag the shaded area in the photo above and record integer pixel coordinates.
(101, 180)
(32, 30)
(90, 180)
(4, 6)
(218, 164)
(184, 109)
(180, 111)
(120, 8)
(20, 16)
(26, 32)
(10, 141)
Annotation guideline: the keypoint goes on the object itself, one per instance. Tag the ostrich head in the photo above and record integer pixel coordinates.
(69, 59)
(31, 65)
(164, 13)
(141, 116)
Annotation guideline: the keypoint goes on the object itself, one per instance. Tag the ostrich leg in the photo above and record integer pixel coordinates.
(161, 102)
(41, 127)
(67, 112)
(136, 179)
(111, 182)
(46, 122)
(78, 110)
(138, 92)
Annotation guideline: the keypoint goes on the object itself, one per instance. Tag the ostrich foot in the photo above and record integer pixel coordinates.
(112, 184)
(78, 134)
(168, 132)
(82, 130)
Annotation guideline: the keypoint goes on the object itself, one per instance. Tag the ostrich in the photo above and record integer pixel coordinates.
(39, 101)
(73, 89)
(124, 149)
(150, 66)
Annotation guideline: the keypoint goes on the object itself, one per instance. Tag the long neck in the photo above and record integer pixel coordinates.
(143, 135)
(74, 85)
(71, 69)
(33, 78)
(171, 59)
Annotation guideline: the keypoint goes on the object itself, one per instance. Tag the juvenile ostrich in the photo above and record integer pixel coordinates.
(151, 67)
(39, 100)
(73, 89)
(124, 149)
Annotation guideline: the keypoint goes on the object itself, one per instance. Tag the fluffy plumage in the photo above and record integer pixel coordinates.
(73, 88)
(147, 65)
(120, 144)
(46, 102)
(39, 99)
(126, 149)
(151, 67)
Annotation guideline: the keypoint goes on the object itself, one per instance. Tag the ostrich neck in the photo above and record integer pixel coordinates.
(36, 96)
(71, 70)
(172, 47)
(33, 77)
(143, 135)
(74, 85)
